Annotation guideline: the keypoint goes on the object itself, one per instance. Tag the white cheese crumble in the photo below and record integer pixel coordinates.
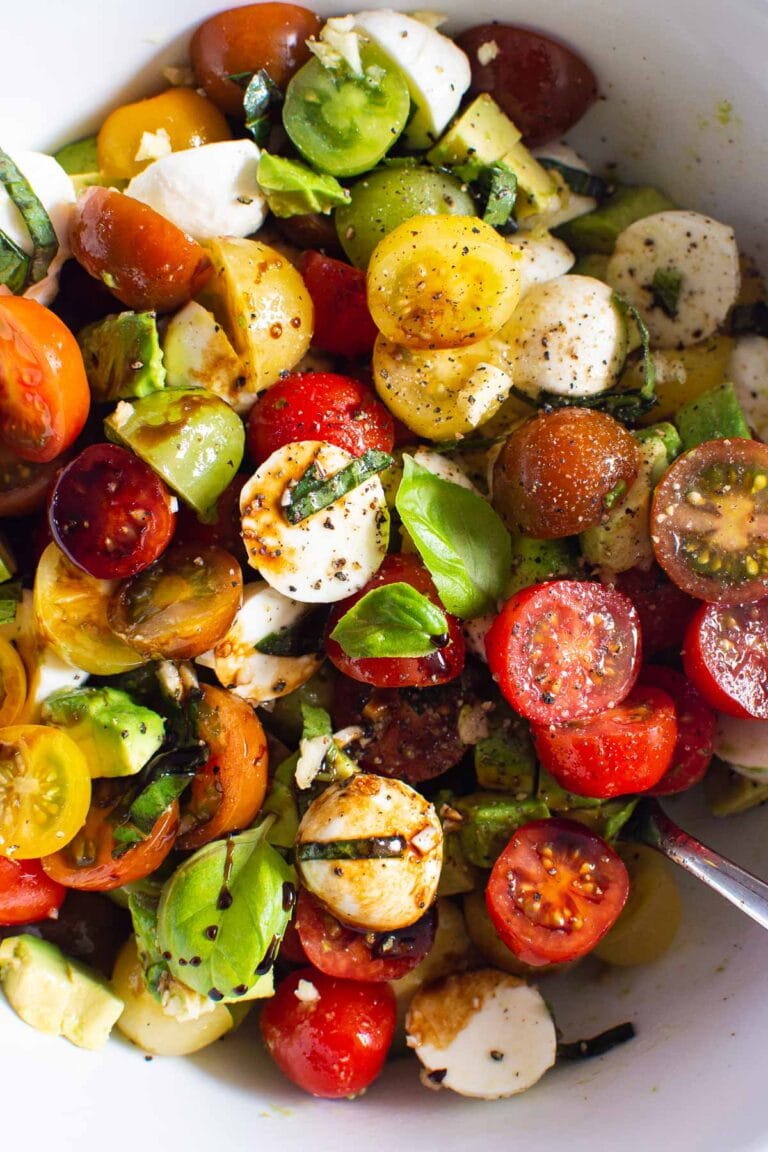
(153, 146)
(487, 52)
(306, 992)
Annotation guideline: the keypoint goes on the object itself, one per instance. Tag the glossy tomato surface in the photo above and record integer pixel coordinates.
(726, 657)
(27, 894)
(696, 724)
(555, 891)
(343, 323)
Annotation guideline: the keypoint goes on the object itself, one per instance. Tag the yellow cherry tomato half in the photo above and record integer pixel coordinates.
(71, 614)
(442, 282)
(13, 683)
(177, 119)
(45, 790)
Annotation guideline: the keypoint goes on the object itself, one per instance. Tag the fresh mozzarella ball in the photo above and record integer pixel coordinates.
(748, 370)
(570, 204)
(743, 744)
(702, 251)
(330, 554)
(567, 336)
(56, 192)
(485, 1034)
(544, 257)
(248, 673)
(207, 191)
(443, 467)
(379, 894)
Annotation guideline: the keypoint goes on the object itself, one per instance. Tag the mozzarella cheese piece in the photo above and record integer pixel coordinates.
(248, 673)
(56, 192)
(207, 191)
(543, 257)
(743, 744)
(328, 555)
(567, 336)
(475, 632)
(705, 255)
(380, 894)
(485, 1034)
(444, 468)
(435, 69)
(748, 370)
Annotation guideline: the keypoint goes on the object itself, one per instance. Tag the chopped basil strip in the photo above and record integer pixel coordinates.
(260, 96)
(315, 722)
(37, 221)
(580, 182)
(665, 289)
(393, 620)
(597, 1045)
(313, 491)
(14, 265)
(301, 639)
(366, 848)
(494, 189)
(10, 595)
(460, 538)
(750, 318)
(143, 905)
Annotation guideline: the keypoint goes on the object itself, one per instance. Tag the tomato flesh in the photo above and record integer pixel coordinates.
(709, 521)
(26, 893)
(555, 891)
(343, 323)
(319, 406)
(564, 649)
(726, 657)
(624, 749)
(438, 667)
(333, 1043)
(696, 724)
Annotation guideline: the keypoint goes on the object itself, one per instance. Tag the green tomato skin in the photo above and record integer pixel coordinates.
(384, 199)
(190, 437)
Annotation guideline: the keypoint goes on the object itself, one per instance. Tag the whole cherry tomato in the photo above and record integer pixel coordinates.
(26, 893)
(343, 323)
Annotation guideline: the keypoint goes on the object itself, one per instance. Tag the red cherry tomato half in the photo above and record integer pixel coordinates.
(438, 667)
(726, 657)
(541, 85)
(664, 609)
(145, 261)
(340, 951)
(329, 1036)
(343, 322)
(695, 731)
(110, 513)
(26, 893)
(44, 395)
(319, 406)
(555, 891)
(223, 532)
(564, 649)
(291, 948)
(624, 749)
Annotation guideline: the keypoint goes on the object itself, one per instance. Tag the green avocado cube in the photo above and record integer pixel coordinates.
(116, 735)
(598, 231)
(122, 356)
(489, 819)
(293, 189)
(714, 415)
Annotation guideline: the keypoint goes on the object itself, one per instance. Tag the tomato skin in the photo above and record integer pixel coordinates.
(343, 323)
(337, 950)
(726, 658)
(318, 406)
(269, 36)
(664, 609)
(333, 1046)
(438, 667)
(695, 731)
(541, 85)
(110, 513)
(530, 905)
(146, 262)
(26, 893)
(224, 531)
(25, 487)
(550, 650)
(44, 394)
(624, 749)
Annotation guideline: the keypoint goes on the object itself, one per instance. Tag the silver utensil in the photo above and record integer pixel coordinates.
(651, 825)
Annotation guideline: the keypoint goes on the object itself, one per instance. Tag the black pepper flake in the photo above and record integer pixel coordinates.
(496, 1055)
(438, 1075)
(215, 995)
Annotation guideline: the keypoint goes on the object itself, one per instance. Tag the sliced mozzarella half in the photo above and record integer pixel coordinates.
(435, 69)
(705, 255)
(544, 257)
(207, 191)
(56, 192)
(328, 555)
(47, 673)
(248, 673)
(743, 744)
(567, 336)
(484, 1034)
(378, 894)
(748, 369)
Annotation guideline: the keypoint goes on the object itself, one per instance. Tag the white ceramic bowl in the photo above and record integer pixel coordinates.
(685, 88)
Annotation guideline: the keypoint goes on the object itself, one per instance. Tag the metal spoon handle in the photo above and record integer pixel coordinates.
(653, 827)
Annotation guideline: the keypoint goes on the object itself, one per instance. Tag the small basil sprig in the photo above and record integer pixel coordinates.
(391, 620)
(38, 224)
(460, 538)
(223, 913)
(14, 265)
(494, 190)
(665, 290)
(580, 182)
(314, 491)
(260, 97)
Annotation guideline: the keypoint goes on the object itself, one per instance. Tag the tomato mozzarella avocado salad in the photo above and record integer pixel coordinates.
(385, 508)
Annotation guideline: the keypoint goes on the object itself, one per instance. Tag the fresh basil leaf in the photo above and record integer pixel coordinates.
(665, 289)
(157, 797)
(224, 912)
(260, 97)
(315, 722)
(460, 538)
(314, 491)
(494, 189)
(750, 318)
(280, 802)
(363, 848)
(302, 639)
(38, 223)
(393, 620)
(581, 182)
(14, 265)
(143, 906)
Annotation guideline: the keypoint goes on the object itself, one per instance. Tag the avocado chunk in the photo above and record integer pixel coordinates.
(488, 821)
(190, 437)
(606, 817)
(506, 762)
(598, 231)
(727, 792)
(122, 356)
(537, 560)
(198, 354)
(79, 157)
(56, 995)
(116, 735)
(669, 436)
(714, 415)
(592, 264)
(483, 133)
(293, 189)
